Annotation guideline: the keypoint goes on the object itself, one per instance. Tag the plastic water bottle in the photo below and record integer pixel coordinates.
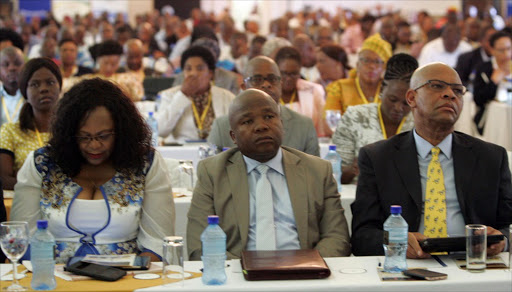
(335, 160)
(42, 257)
(214, 253)
(153, 124)
(158, 101)
(395, 241)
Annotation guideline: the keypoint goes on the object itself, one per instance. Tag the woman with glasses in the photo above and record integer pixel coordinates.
(187, 111)
(302, 96)
(363, 87)
(367, 123)
(40, 83)
(99, 183)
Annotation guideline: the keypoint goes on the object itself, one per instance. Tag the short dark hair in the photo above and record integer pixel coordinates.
(67, 40)
(132, 135)
(109, 47)
(258, 40)
(400, 67)
(336, 52)
(13, 36)
(26, 116)
(288, 53)
(199, 51)
(499, 35)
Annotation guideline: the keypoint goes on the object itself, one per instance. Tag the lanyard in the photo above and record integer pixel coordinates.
(6, 111)
(200, 120)
(291, 99)
(384, 128)
(360, 91)
(38, 137)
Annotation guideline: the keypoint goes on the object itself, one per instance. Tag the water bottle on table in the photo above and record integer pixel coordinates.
(153, 125)
(335, 160)
(214, 252)
(42, 257)
(395, 241)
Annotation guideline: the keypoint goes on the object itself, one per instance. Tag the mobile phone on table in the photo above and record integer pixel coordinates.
(424, 274)
(99, 272)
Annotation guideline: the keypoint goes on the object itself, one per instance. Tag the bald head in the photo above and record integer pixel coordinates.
(432, 71)
(245, 100)
(263, 67)
(134, 51)
(11, 61)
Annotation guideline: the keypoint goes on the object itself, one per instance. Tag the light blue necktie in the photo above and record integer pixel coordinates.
(265, 228)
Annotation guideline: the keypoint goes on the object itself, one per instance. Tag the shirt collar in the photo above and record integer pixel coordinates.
(423, 147)
(4, 93)
(275, 163)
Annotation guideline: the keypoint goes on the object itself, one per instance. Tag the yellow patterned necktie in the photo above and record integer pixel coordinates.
(435, 199)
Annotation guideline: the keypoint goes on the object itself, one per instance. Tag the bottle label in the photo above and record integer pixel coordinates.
(386, 237)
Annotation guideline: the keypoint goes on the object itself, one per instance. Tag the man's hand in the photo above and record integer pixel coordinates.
(497, 247)
(414, 250)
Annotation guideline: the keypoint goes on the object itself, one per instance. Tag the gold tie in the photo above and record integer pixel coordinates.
(435, 199)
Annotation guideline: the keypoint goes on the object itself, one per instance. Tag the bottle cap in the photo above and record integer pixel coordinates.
(396, 209)
(42, 224)
(173, 239)
(213, 219)
(225, 148)
(150, 114)
(332, 147)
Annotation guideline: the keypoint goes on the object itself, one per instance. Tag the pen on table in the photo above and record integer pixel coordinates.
(379, 264)
(439, 260)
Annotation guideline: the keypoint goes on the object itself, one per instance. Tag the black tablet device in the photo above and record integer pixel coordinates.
(141, 263)
(449, 244)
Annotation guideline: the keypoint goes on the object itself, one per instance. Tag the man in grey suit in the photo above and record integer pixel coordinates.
(299, 132)
(305, 207)
(475, 175)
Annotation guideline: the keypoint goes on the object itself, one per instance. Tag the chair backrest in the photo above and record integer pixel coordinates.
(153, 85)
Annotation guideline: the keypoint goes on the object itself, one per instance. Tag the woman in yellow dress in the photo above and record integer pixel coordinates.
(40, 83)
(364, 86)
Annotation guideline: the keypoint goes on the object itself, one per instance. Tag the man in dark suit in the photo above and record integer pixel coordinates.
(476, 188)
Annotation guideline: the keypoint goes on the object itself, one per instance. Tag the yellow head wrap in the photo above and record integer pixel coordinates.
(376, 44)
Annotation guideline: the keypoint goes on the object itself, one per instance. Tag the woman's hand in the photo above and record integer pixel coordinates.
(190, 86)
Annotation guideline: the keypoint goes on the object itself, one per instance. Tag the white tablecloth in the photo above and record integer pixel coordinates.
(368, 280)
(498, 126)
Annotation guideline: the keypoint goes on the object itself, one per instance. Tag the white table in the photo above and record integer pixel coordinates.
(182, 205)
(458, 280)
(498, 126)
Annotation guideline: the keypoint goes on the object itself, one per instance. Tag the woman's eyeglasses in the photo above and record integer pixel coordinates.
(102, 138)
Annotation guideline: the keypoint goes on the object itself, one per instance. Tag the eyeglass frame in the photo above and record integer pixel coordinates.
(278, 79)
(465, 89)
(88, 139)
(366, 61)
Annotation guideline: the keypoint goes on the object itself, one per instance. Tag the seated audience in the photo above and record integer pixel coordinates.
(11, 61)
(40, 84)
(305, 45)
(297, 208)
(99, 183)
(187, 111)
(332, 64)
(365, 87)
(493, 79)
(368, 123)
(299, 132)
(68, 51)
(442, 179)
(302, 96)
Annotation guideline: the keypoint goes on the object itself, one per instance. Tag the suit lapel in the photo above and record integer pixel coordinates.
(237, 173)
(406, 161)
(297, 187)
(463, 164)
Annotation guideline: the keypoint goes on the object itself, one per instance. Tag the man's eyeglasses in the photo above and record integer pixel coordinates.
(258, 80)
(102, 138)
(366, 61)
(440, 85)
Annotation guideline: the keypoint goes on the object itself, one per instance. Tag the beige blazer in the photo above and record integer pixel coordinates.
(222, 189)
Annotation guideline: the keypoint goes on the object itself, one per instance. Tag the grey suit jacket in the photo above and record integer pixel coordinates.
(299, 132)
(222, 78)
(222, 189)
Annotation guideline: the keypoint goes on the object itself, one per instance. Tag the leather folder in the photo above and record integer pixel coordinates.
(284, 265)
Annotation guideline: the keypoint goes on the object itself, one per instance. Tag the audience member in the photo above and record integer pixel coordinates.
(187, 111)
(323, 36)
(300, 202)
(306, 48)
(365, 87)
(239, 51)
(388, 29)
(302, 96)
(368, 123)
(99, 183)
(403, 43)
(68, 51)
(279, 28)
(299, 132)
(40, 84)
(11, 61)
(493, 79)
(332, 64)
(256, 48)
(271, 46)
(446, 48)
(474, 177)
(354, 35)
(9, 37)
